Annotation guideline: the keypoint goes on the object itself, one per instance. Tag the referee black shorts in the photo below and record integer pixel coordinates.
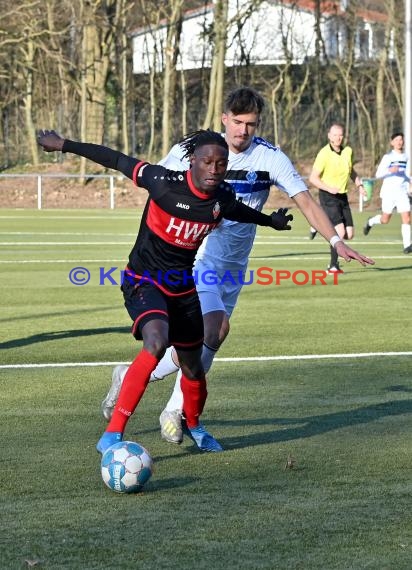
(145, 302)
(336, 207)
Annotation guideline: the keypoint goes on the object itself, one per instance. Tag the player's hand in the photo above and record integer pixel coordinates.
(348, 253)
(280, 221)
(49, 140)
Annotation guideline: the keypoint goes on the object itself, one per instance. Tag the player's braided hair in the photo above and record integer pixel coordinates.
(199, 138)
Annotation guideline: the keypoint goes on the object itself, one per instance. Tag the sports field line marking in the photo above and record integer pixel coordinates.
(67, 234)
(283, 257)
(276, 241)
(53, 243)
(117, 242)
(224, 359)
(102, 242)
(42, 218)
(121, 261)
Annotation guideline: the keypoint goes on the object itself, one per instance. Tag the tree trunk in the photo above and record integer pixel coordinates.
(152, 91)
(184, 102)
(214, 106)
(124, 85)
(28, 103)
(169, 76)
(97, 42)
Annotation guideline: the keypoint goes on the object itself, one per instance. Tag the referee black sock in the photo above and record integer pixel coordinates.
(333, 257)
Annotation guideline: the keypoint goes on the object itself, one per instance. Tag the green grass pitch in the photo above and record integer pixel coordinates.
(317, 468)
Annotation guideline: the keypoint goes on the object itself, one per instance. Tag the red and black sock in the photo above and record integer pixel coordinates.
(133, 388)
(194, 398)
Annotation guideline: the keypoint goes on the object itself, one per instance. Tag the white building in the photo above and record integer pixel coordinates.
(274, 33)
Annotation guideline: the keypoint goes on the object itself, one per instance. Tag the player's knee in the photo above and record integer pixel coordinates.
(193, 370)
(215, 333)
(215, 336)
(156, 344)
(211, 339)
(349, 233)
(224, 331)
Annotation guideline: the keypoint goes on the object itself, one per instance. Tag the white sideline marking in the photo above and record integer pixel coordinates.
(65, 261)
(67, 234)
(226, 359)
(115, 217)
(82, 243)
(281, 257)
(268, 239)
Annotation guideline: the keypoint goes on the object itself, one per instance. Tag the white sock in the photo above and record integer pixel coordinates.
(375, 220)
(165, 367)
(176, 399)
(406, 234)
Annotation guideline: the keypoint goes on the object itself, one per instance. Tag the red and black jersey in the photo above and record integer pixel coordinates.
(176, 219)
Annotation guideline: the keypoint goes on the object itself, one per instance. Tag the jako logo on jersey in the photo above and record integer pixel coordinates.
(184, 206)
(216, 210)
(192, 231)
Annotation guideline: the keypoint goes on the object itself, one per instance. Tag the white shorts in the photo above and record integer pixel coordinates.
(397, 200)
(214, 293)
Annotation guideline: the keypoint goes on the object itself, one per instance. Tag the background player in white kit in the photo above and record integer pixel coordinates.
(395, 190)
(254, 166)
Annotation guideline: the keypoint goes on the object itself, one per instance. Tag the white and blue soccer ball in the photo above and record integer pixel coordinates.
(126, 467)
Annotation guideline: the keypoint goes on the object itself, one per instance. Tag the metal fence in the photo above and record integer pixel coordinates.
(40, 177)
(368, 182)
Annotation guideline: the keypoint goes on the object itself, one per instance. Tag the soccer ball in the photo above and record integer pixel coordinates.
(126, 466)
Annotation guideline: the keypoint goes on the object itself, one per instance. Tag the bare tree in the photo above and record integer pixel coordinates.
(124, 74)
(96, 46)
(67, 62)
(217, 72)
(152, 55)
(99, 20)
(174, 29)
(381, 111)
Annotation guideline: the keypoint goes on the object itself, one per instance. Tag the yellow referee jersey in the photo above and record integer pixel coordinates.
(334, 168)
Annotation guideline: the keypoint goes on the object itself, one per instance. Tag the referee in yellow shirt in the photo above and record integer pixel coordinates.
(331, 171)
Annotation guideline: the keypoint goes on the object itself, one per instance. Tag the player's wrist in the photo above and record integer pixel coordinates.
(334, 240)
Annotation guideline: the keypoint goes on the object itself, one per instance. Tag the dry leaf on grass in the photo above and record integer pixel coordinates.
(290, 463)
(31, 563)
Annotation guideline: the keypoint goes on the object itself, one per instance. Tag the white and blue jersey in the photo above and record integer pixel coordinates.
(393, 182)
(251, 173)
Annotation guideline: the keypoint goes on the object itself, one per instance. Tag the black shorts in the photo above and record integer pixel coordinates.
(146, 302)
(336, 207)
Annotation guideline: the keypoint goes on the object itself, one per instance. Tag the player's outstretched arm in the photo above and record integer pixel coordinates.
(107, 157)
(348, 254)
(318, 219)
(245, 214)
(50, 141)
(281, 219)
